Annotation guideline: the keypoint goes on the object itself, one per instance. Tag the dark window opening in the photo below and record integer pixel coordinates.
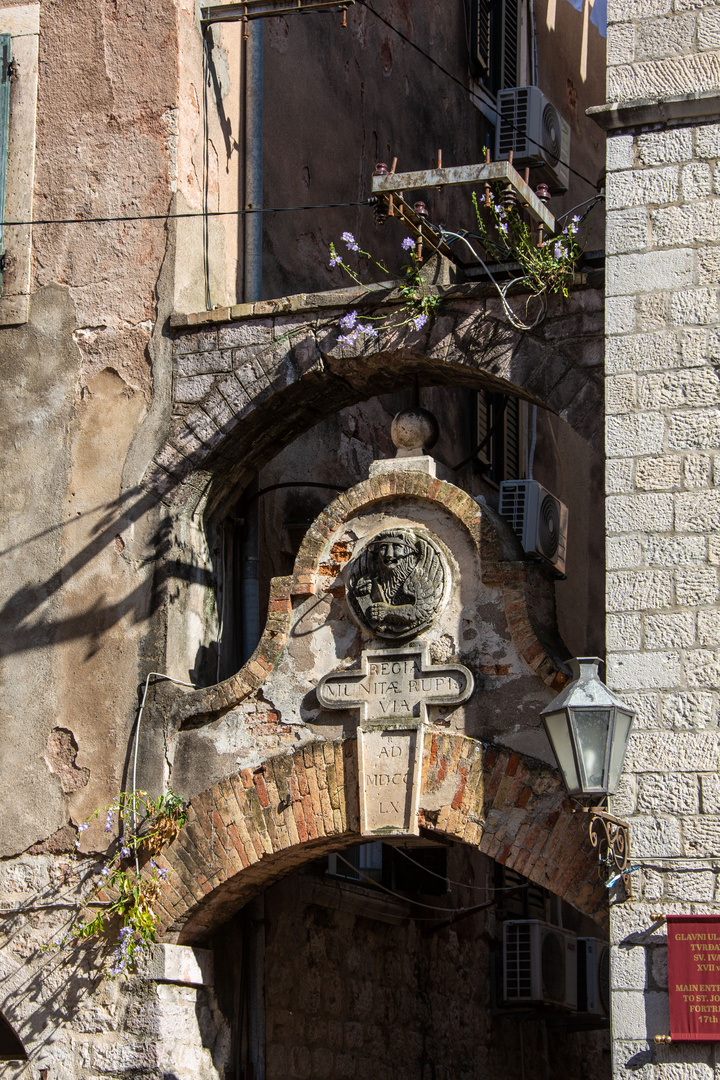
(494, 42)
(500, 431)
(413, 870)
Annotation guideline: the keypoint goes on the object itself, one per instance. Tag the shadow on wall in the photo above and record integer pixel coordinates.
(21, 633)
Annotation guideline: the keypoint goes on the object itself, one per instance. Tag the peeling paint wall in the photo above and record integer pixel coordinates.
(93, 565)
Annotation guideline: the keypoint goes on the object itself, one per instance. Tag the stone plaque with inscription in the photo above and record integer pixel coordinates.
(394, 684)
(389, 762)
(391, 690)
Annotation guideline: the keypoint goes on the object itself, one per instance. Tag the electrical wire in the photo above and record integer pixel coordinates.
(503, 289)
(185, 214)
(461, 884)
(404, 899)
(459, 82)
(157, 675)
(588, 202)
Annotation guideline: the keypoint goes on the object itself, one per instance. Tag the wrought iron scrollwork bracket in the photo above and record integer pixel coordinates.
(610, 836)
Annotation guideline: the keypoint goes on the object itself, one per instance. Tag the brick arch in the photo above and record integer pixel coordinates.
(258, 825)
(500, 559)
(248, 381)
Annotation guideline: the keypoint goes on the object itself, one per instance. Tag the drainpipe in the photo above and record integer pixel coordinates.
(250, 577)
(256, 986)
(252, 268)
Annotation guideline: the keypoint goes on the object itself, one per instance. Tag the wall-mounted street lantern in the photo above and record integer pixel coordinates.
(588, 727)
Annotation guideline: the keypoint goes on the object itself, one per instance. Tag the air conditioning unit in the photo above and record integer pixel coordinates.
(537, 518)
(593, 966)
(539, 964)
(532, 128)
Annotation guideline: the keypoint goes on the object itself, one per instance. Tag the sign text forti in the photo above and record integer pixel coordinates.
(694, 977)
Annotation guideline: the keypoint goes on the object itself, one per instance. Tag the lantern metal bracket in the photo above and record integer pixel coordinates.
(610, 836)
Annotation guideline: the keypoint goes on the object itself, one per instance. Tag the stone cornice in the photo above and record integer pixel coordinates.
(641, 112)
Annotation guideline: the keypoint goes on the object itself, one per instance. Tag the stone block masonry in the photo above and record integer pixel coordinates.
(663, 508)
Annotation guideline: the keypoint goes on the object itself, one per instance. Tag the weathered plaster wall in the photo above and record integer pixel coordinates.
(663, 406)
(80, 550)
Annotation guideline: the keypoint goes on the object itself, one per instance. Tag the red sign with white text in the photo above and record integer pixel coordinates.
(694, 977)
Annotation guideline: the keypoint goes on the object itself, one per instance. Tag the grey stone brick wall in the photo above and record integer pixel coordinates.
(663, 503)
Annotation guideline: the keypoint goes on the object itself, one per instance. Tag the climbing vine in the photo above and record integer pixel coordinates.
(547, 266)
(147, 825)
(418, 305)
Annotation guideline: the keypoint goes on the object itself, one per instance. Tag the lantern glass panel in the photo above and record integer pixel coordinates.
(558, 730)
(623, 723)
(591, 726)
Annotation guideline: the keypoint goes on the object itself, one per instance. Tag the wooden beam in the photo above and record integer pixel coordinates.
(494, 172)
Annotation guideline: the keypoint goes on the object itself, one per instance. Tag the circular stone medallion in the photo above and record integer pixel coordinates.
(398, 583)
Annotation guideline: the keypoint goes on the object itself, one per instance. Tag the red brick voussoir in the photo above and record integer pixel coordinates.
(255, 827)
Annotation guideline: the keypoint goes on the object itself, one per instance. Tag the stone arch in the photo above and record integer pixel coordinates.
(258, 825)
(247, 382)
(11, 1049)
(500, 557)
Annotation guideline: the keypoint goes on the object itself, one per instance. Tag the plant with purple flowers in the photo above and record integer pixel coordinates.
(418, 305)
(125, 891)
(547, 266)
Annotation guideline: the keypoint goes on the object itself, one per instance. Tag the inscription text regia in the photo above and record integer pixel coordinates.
(392, 689)
(395, 684)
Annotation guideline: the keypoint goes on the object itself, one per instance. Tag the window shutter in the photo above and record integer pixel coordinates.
(512, 439)
(480, 39)
(509, 51)
(5, 75)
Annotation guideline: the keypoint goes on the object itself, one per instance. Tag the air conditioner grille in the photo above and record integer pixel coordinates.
(512, 506)
(549, 526)
(518, 963)
(553, 967)
(552, 133)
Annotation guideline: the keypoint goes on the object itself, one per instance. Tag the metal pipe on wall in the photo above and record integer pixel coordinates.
(256, 979)
(250, 578)
(252, 276)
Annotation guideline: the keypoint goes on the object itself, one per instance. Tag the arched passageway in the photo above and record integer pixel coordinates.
(255, 827)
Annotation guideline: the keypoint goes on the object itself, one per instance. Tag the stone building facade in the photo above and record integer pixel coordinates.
(662, 396)
(146, 392)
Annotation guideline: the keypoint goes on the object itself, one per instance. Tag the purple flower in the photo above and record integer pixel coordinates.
(162, 874)
(408, 244)
(105, 871)
(366, 328)
(348, 321)
(335, 260)
(558, 251)
(125, 931)
(109, 821)
(419, 321)
(85, 825)
(503, 227)
(350, 241)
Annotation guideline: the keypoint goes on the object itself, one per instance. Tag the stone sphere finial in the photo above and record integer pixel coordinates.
(414, 430)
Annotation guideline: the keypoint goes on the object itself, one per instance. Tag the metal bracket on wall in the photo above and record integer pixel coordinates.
(392, 184)
(611, 838)
(267, 9)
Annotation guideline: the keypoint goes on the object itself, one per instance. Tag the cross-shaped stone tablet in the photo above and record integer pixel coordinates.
(396, 684)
